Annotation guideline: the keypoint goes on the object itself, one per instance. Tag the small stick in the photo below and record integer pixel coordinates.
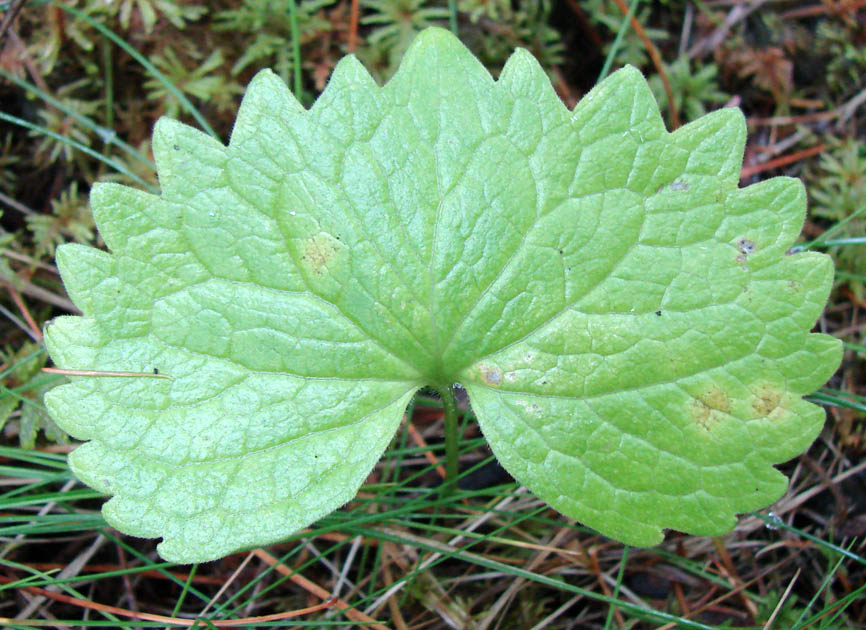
(656, 59)
(16, 297)
(428, 455)
(101, 373)
(784, 160)
(782, 600)
(226, 584)
(793, 120)
(11, 12)
(311, 587)
(176, 621)
(354, 13)
(728, 570)
(43, 294)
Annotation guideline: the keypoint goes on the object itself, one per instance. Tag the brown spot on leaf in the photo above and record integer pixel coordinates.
(491, 375)
(766, 400)
(319, 253)
(717, 398)
(710, 407)
(702, 414)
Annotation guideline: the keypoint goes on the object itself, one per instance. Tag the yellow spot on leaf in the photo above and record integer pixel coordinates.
(710, 407)
(320, 252)
(766, 400)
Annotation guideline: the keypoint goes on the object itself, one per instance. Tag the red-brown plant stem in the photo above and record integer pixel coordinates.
(142, 616)
(354, 13)
(657, 62)
(784, 160)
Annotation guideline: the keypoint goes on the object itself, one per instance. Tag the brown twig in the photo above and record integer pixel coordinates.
(227, 583)
(354, 14)
(784, 160)
(847, 110)
(494, 611)
(819, 9)
(838, 497)
(311, 587)
(422, 443)
(792, 120)
(142, 616)
(17, 205)
(729, 570)
(393, 604)
(782, 601)
(681, 599)
(595, 568)
(103, 568)
(709, 44)
(9, 16)
(657, 62)
(731, 593)
(28, 288)
(25, 58)
(585, 24)
(34, 327)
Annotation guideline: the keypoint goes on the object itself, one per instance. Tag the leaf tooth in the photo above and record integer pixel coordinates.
(437, 59)
(799, 285)
(715, 143)
(348, 108)
(134, 517)
(183, 549)
(769, 214)
(780, 435)
(77, 406)
(266, 97)
(622, 103)
(87, 273)
(187, 160)
(90, 465)
(107, 471)
(121, 213)
(350, 72)
(73, 342)
(439, 48)
(522, 76)
(814, 365)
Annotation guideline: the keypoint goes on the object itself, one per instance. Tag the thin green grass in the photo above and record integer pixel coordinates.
(118, 166)
(404, 523)
(104, 133)
(145, 63)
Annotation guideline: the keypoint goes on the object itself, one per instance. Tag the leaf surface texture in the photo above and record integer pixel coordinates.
(632, 334)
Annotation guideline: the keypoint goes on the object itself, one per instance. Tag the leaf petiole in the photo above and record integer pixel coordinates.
(449, 403)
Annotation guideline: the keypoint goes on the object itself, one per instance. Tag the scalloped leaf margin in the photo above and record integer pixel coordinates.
(629, 325)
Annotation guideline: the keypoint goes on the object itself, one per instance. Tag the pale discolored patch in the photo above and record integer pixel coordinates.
(710, 407)
(766, 400)
(530, 407)
(491, 375)
(320, 252)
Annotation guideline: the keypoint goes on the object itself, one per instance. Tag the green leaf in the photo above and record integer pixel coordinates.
(632, 333)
